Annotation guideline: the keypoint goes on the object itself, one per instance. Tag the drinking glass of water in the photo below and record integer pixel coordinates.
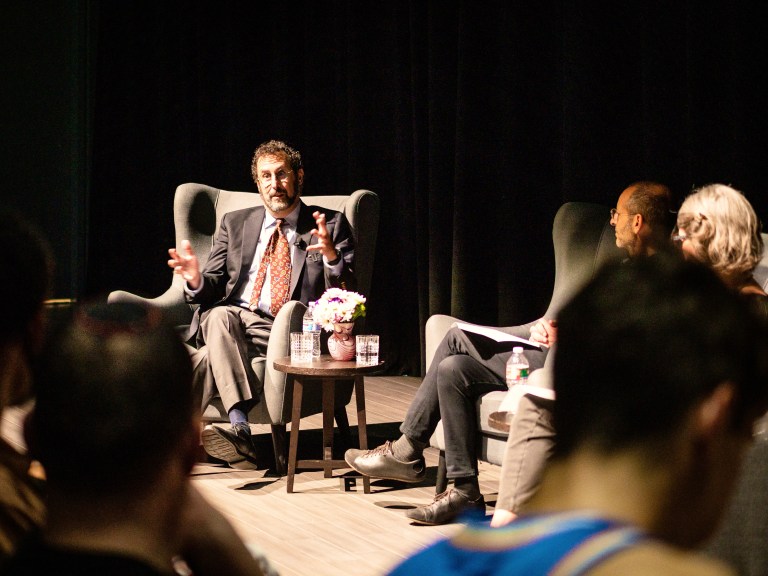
(367, 349)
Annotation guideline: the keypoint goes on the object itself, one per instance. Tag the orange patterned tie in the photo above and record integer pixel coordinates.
(277, 256)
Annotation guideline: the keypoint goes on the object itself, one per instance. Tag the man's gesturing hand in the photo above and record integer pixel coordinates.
(184, 262)
(324, 243)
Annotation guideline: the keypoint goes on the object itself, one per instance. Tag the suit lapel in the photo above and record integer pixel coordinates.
(249, 241)
(304, 227)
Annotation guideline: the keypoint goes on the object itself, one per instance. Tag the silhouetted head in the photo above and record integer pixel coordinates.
(642, 343)
(114, 400)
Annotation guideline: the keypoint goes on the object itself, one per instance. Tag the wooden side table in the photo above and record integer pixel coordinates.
(326, 371)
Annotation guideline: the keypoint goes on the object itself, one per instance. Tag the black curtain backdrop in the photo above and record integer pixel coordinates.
(473, 123)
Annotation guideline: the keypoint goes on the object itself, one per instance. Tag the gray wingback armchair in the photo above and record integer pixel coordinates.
(197, 213)
(583, 241)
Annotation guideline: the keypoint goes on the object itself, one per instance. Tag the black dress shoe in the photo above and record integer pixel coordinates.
(234, 446)
(446, 507)
(381, 463)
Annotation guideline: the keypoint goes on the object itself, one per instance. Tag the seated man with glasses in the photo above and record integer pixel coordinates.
(262, 257)
(642, 221)
(464, 368)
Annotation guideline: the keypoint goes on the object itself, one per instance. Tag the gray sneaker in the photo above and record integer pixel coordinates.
(381, 463)
(447, 507)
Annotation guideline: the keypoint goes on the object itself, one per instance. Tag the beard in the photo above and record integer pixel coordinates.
(280, 202)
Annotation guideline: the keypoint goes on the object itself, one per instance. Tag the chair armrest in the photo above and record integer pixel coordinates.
(434, 331)
(171, 302)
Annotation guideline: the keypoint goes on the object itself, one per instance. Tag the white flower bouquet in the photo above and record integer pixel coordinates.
(336, 306)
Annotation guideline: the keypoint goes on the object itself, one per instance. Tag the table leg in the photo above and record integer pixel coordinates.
(362, 428)
(328, 402)
(298, 390)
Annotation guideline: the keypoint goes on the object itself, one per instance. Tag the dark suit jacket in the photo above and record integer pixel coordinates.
(235, 247)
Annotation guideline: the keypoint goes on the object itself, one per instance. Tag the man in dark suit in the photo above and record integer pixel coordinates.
(261, 258)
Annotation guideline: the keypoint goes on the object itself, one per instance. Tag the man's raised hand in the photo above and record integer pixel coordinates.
(185, 263)
(324, 242)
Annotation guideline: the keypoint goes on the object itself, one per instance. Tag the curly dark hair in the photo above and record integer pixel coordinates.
(276, 148)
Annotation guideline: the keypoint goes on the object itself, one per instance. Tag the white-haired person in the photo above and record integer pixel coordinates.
(717, 225)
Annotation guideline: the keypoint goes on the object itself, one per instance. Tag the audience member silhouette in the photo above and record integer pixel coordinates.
(25, 282)
(111, 383)
(660, 375)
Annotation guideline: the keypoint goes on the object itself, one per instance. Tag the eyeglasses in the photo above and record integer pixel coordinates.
(615, 214)
(266, 178)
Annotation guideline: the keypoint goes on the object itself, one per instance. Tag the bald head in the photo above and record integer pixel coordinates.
(643, 218)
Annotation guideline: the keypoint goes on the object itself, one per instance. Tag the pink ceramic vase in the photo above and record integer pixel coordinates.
(341, 343)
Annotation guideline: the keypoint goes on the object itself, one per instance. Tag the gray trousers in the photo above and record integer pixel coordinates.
(529, 446)
(228, 338)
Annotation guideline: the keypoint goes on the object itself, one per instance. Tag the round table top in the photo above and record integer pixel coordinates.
(325, 366)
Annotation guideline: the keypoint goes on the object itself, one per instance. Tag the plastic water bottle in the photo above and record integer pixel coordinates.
(308, 321)
(308, 325)
(517, 367)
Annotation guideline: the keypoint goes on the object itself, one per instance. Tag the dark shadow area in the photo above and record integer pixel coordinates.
(253, 486)
(395, 505)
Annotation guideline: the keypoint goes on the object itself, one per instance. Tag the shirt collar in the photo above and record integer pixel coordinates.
(291, 220)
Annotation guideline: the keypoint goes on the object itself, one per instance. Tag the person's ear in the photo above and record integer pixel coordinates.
(713, 414)
(300, 178)
(637, 222)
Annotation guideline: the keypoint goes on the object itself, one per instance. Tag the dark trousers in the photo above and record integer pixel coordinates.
(465, 367)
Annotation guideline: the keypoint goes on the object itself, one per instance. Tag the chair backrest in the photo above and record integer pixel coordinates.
(583, 240)
(198, 209)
